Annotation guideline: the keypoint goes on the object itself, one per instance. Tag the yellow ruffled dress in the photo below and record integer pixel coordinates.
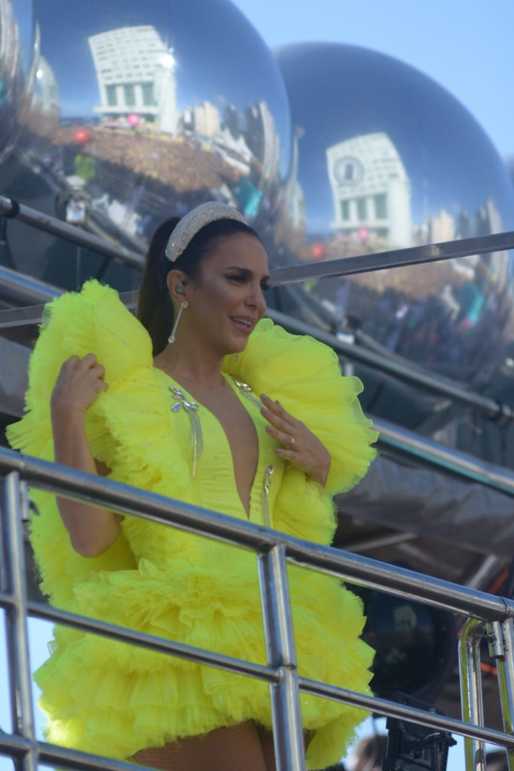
(111, 698)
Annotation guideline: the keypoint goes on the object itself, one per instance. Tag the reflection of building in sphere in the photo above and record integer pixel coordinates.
(370, 189)
(263, 138)
(442, 227)
(136, 75)
(204, 119)
(379, 170)
(17, 49)
(46, 90)
(9, 40)
(296, 206)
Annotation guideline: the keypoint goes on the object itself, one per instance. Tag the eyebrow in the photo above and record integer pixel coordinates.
(247, 272)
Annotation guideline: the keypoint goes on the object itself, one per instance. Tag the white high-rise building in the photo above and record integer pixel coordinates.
(271, 156)
(442, 227)
(46, 90)
(206, 119)
(136, 75)
(370, 189)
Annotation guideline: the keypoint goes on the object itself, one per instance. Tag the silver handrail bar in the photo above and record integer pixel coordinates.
(14, 210)
(361, 570)
(180, 650)
(436, 454)
(415, 376)
(345, 266)
(395, 258)
(24, 289)
(259, 671)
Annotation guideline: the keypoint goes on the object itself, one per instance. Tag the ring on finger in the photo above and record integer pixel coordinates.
(292, 441)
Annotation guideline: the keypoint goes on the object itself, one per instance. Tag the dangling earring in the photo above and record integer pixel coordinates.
(183, 305)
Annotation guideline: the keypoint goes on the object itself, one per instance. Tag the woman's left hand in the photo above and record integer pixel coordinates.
(298, 444)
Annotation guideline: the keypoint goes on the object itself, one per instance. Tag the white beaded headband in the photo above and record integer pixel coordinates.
(194, 221)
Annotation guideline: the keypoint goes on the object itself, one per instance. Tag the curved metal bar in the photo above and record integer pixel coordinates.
(396, 258)
(412, 444)
(20, 288)
(501, 649)
(15, 210)
(472, 706)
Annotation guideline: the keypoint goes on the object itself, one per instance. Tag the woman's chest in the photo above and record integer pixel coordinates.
(231, 425)
(224, 442)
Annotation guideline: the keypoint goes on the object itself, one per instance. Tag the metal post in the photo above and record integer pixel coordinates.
(18, 656)
(285, 695)
(501, 647)
(471, 691)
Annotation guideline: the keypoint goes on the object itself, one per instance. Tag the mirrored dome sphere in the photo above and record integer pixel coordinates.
(386, 158)
(143, 110)
(17, 56)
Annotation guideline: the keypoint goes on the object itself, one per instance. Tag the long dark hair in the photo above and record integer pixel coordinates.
(155, 308)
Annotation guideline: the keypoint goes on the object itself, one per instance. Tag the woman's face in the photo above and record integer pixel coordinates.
(226, 298)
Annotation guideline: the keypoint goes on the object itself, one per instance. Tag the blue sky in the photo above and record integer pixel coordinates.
(465, 45)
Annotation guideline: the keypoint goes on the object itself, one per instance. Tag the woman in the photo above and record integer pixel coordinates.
(171, 403)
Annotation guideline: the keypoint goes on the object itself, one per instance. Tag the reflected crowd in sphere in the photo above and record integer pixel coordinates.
(139, 113)
(384, 158)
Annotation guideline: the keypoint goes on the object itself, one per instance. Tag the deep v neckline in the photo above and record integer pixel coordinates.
(233, 387)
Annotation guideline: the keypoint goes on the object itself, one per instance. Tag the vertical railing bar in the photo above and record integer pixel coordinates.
(18, 653)
(3, 570)
(472, 706)
(279, 634)
(503, 640)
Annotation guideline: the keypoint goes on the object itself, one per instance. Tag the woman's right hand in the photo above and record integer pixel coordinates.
(78, 385)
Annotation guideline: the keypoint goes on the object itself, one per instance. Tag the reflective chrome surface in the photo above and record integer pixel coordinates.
(385, 158)
(17, 59)
(139, 112)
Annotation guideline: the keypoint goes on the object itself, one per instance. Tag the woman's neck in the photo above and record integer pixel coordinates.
(191, 364)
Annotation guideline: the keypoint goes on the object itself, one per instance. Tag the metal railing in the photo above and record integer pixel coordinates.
(14, 210)
(396, 258)
(36, 291)
(274, 550)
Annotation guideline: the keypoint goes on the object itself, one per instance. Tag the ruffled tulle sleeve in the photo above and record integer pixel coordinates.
(92, 321)
(305, 376)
